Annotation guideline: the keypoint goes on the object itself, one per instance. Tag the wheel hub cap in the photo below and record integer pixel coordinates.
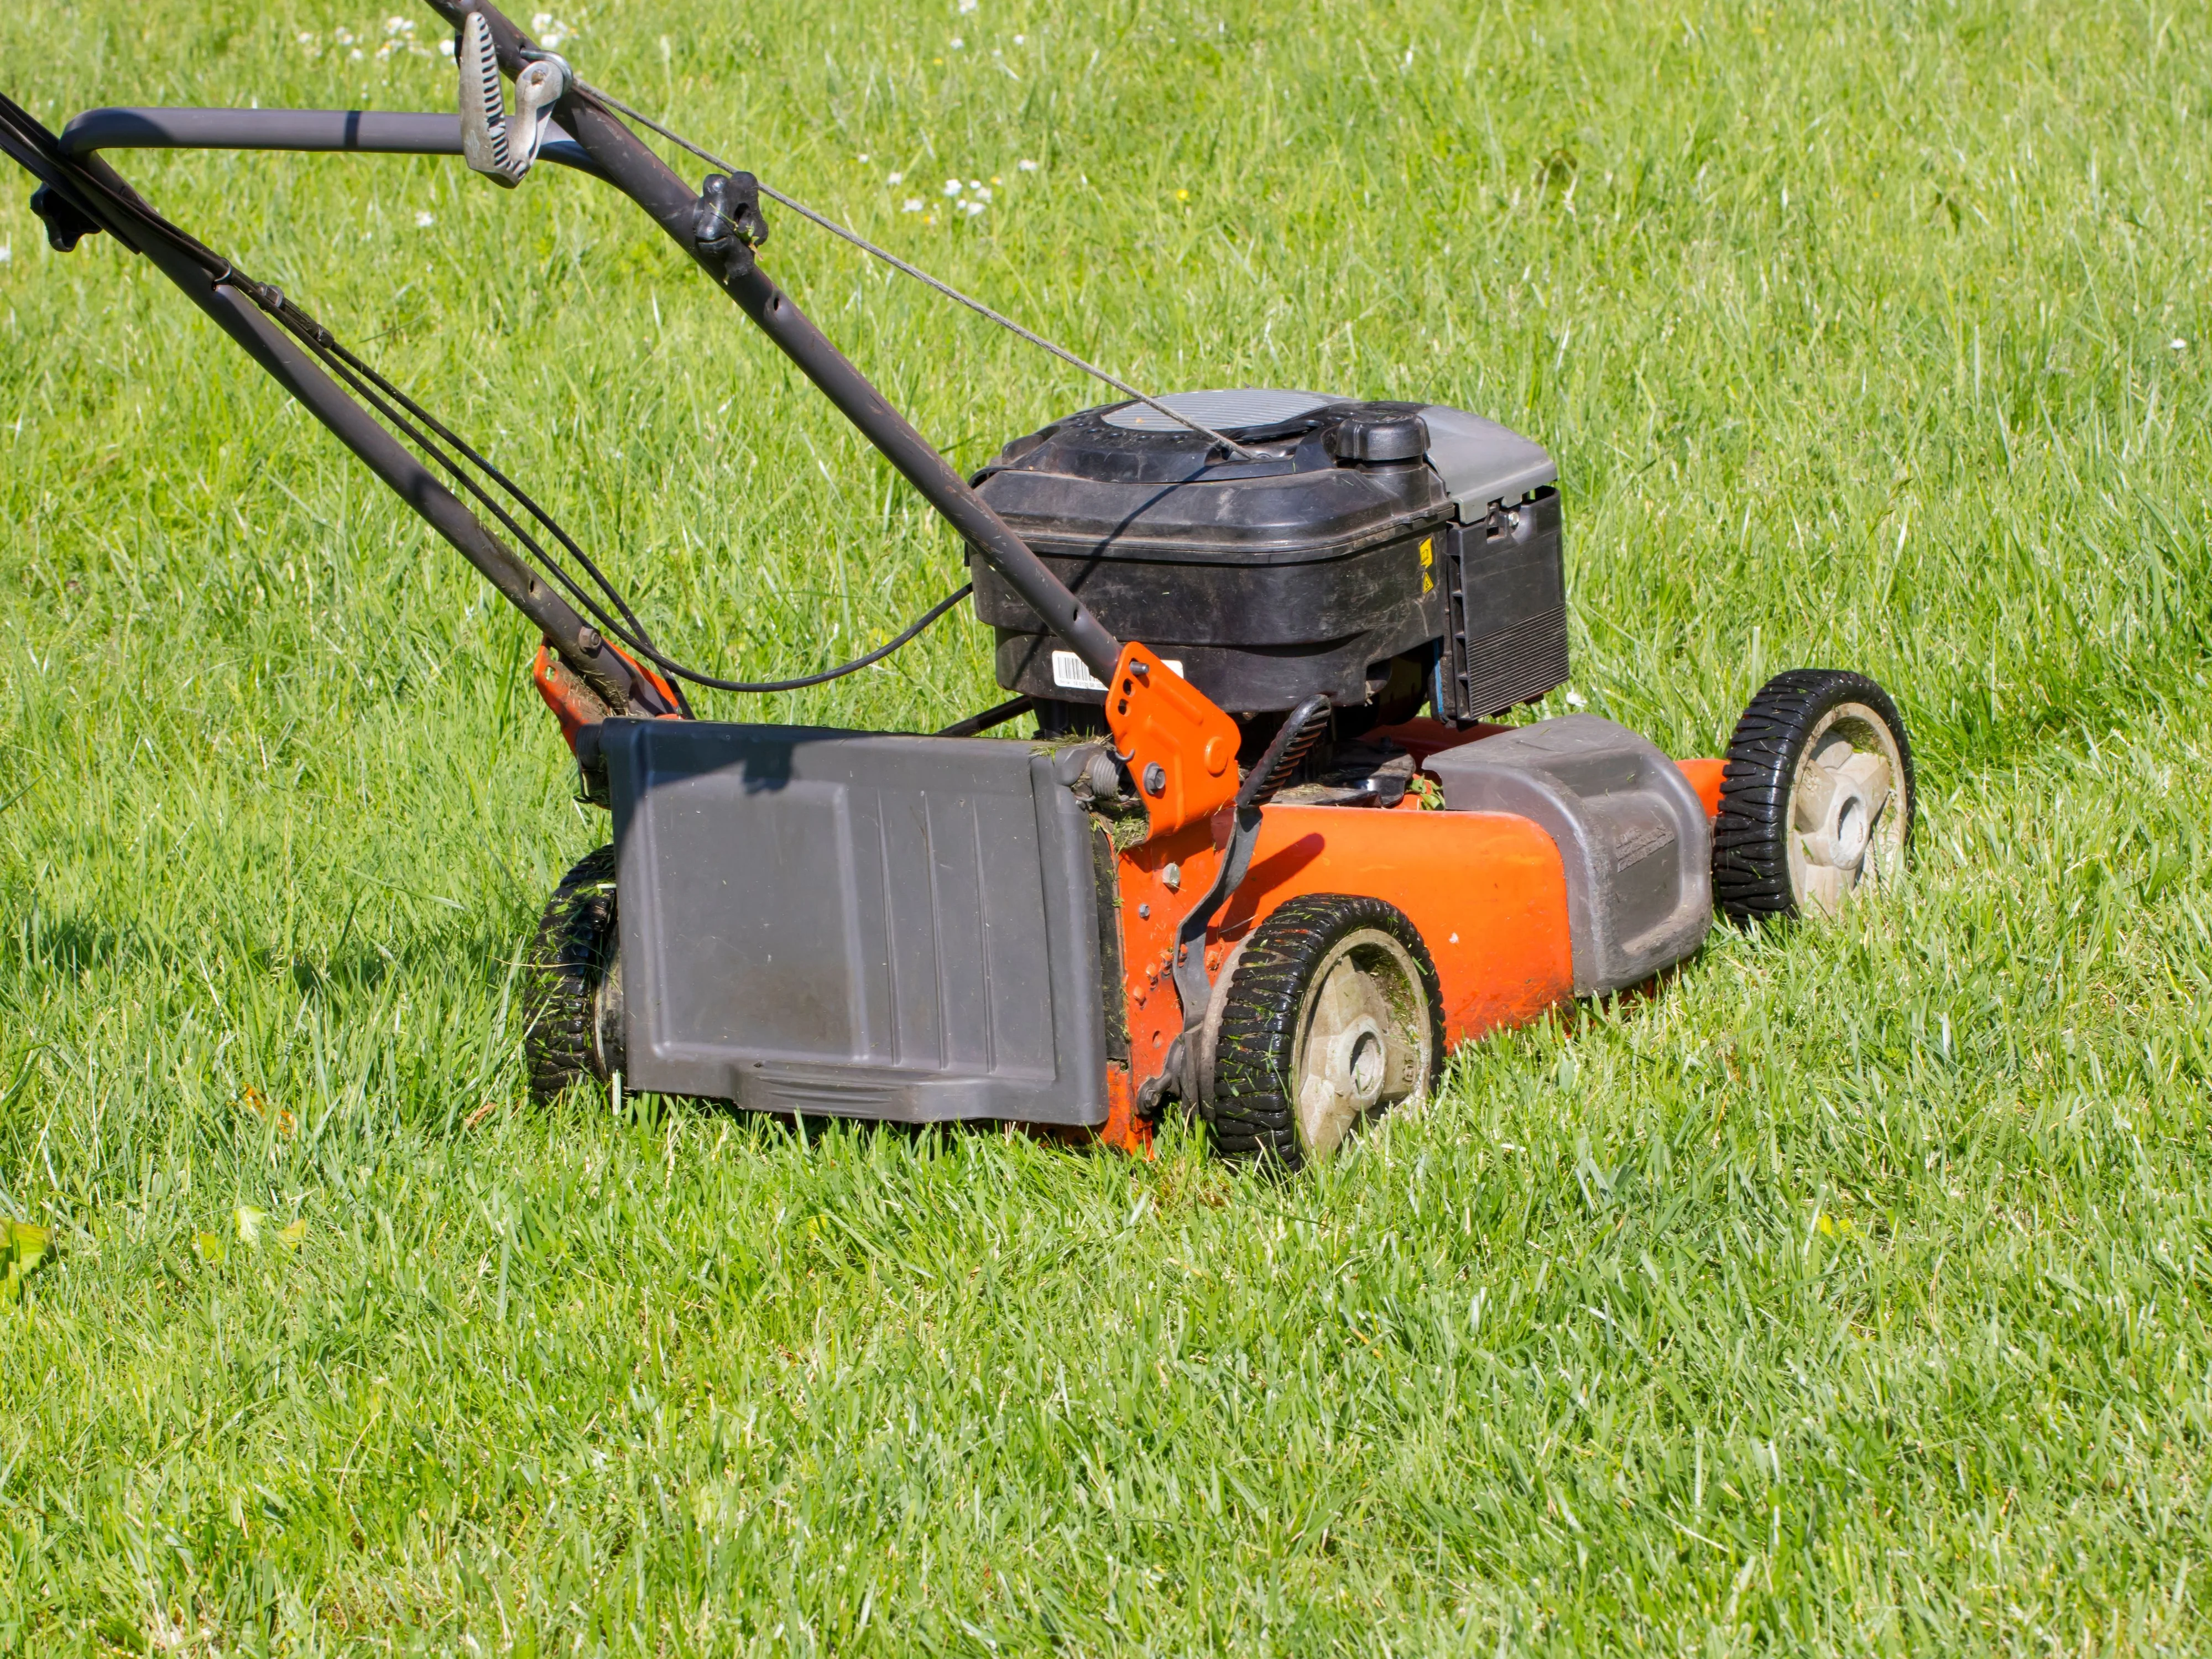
(1365, 1043)
(1843, 832)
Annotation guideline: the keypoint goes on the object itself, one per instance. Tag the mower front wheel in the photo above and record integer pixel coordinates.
(571, 982)
(1817, 799)
(1331, 1015)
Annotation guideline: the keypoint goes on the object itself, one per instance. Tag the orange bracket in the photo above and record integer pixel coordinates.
(1179, 747)
(574, 703)
(1182, 752)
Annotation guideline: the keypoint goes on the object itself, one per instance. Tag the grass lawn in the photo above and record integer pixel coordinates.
(1849, 1295)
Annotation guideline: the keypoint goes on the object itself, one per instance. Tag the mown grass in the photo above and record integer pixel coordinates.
(1847, 1296)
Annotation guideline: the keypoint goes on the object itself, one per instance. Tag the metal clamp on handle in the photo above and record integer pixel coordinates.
(726, 225)
(501, 148)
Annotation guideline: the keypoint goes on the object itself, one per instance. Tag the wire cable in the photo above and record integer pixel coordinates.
(343, 364)
(803, 681)
(321, 341)
(26, 140)
(617, 106)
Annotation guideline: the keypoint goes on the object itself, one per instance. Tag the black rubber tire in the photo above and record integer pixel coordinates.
(568, 964)
(1751, 854)
(1252, 1120)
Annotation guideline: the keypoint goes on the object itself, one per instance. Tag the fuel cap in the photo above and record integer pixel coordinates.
(1380, 432)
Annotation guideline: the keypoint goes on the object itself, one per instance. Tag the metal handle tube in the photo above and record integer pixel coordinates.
(625, 162)
(375, 132)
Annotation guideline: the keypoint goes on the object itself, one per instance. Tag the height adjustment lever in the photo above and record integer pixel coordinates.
(501, 148)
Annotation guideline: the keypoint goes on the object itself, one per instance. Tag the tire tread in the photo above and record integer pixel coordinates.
(561, 976)
(1251, 1119)
(1751, 854)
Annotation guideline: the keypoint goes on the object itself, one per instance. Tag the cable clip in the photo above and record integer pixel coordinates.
(501, 148)
(66, 224)
(726, 224)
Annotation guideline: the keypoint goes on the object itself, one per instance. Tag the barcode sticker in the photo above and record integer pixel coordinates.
(1070, 674)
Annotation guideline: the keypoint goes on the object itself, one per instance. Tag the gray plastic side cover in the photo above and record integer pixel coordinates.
(1631, 832)
(853, 924)
(1480, 462)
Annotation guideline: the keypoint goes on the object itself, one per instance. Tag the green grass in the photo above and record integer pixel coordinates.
(1849, 1296)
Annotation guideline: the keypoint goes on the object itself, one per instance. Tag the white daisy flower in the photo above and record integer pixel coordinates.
(952, 187)
(424, 221)
(1026, 166)
(913, 204)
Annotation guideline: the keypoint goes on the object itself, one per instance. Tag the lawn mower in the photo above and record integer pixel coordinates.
(1270, 852)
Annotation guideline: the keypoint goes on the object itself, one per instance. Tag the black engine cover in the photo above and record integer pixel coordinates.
(1310, 570)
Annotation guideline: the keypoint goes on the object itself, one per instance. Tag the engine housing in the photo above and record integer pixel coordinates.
(1380, 548)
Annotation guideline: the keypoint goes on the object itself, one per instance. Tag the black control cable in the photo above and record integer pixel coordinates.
(27, 140)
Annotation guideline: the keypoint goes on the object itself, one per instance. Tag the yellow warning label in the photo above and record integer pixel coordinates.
(1428, 583)
(1428, 554)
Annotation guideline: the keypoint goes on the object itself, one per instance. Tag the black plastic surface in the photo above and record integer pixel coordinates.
(1308, 571)
(1508, 608)
(863, 926)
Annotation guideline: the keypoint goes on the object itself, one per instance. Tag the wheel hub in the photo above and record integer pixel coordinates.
(1359, 1062)
(1843, 833)
(1365, 1040)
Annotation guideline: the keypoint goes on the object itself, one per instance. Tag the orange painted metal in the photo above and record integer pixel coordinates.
(1705, 776)
(1160, 880)
(1159, 720)
(1486, 890)
(1182, 750)
(1123, 1129)
(574, 703)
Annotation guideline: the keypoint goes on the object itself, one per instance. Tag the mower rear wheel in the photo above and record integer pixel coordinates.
(1332, 1014)
(571, 982)
(1817, 799)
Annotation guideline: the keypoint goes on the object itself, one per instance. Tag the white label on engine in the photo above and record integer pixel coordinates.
(1070, 674)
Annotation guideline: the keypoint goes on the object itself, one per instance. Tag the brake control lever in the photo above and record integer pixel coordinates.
(501, 148)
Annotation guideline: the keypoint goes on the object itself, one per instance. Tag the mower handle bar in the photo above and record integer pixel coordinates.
(369, 131)
(594, 142)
